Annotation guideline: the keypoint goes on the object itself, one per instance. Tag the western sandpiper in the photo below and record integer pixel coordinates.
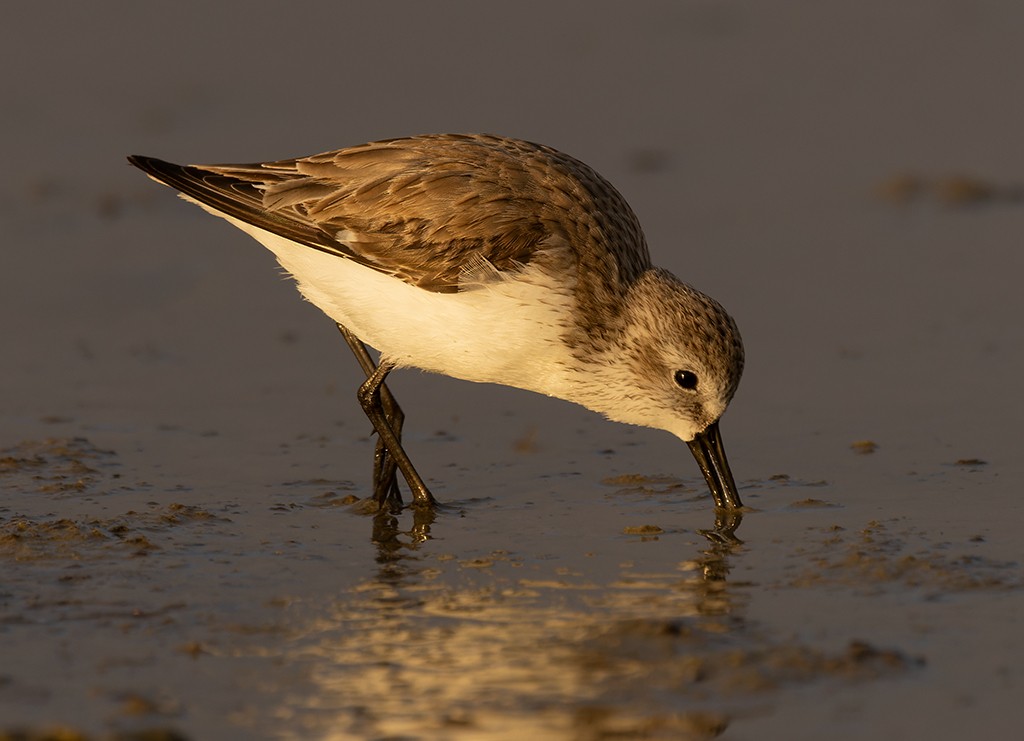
(492, 260)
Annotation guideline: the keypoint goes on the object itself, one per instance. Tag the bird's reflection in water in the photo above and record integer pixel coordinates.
(503, 645)
(392, 542)
(722, 542)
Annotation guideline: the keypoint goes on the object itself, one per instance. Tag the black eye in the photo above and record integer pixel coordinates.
(686, 379)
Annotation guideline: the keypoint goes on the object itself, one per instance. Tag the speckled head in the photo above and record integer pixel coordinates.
(675, 364)
(678, 355)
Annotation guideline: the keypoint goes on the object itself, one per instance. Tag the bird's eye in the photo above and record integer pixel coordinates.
(686, 379)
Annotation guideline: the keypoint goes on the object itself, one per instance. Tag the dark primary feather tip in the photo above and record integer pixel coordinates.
(152, 166)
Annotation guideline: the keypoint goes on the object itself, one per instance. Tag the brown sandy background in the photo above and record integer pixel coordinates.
(179, 433)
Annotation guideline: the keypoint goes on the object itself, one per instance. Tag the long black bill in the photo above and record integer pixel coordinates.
(707, 448)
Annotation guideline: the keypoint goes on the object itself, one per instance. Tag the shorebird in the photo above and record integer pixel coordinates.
(491, 260)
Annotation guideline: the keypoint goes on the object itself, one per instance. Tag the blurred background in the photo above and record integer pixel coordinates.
(842, 177)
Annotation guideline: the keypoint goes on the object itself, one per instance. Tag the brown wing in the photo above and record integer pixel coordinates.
(422, 208)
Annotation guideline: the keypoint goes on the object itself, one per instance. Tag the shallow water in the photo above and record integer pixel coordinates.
(180, 444)
(282, 612)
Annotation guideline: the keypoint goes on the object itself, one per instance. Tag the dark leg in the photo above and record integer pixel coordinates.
(385, 482)
(385, 407)
(385, 478)
(370, 397)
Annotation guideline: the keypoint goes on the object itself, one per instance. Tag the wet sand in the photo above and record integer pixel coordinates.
(182, 459)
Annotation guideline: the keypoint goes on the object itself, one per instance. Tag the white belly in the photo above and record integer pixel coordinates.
(508, 332)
